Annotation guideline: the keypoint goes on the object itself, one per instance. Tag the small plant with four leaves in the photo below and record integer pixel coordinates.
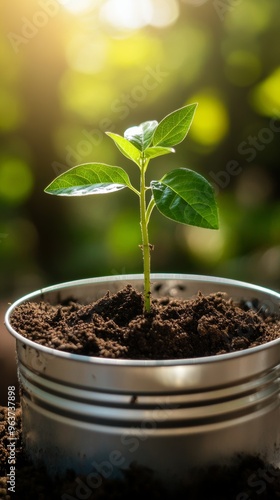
(181, 195)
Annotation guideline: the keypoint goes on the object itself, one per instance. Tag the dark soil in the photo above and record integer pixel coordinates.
(116, 327)
(248, 478)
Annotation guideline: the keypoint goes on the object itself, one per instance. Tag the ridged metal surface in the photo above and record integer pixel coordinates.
(170, 415)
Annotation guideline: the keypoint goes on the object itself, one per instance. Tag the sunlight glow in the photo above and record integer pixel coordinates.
(127, 14)
(196, 3)
(77, 6)
(132, 14)
(165, 12)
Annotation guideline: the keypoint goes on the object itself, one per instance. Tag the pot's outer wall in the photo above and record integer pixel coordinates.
(81, 412)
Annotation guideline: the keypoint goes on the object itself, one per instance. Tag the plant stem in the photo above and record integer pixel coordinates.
(149, 210)
(145, 238)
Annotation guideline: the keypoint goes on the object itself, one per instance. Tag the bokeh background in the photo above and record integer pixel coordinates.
(72, 69)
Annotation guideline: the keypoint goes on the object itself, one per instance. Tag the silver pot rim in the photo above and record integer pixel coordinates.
(132, 362)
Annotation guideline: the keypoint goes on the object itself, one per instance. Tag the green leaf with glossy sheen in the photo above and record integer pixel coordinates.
(89, 178)
(174, 127)
(126, 147)
(155, 151)
(185, 196)
(141, 136)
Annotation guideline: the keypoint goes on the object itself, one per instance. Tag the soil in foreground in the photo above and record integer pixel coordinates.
(248, 478)
(116, 327)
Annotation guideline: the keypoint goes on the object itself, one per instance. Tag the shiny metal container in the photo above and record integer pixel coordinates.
(97, 416)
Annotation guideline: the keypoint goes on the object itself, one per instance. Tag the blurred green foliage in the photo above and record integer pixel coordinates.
(72, 69)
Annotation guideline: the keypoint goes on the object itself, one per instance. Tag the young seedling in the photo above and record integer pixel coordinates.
(181, 195)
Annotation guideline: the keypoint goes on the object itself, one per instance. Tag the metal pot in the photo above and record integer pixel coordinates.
(97, 416)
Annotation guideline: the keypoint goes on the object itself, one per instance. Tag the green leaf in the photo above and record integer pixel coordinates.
(126, 147)
(89, 178)
(155, 151)
(141, 135)
(174, 127)
(185, 196)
